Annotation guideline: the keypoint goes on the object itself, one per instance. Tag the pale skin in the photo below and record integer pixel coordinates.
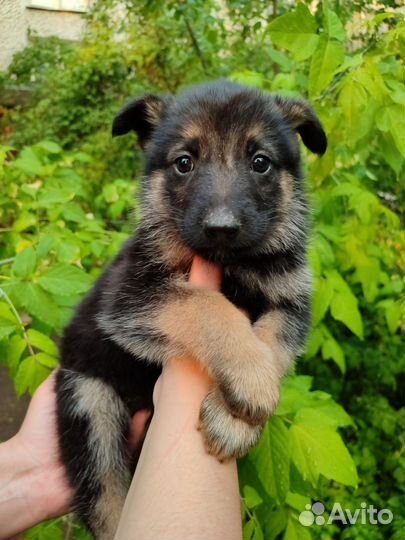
(178, 491)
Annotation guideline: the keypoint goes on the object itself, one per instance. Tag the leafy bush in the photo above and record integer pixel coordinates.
(64, 211)
(33, 63)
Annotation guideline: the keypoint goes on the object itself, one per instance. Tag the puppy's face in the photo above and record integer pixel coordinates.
(223, 163)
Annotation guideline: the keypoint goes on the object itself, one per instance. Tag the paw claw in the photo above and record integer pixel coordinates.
(225, 436)
(254, 406)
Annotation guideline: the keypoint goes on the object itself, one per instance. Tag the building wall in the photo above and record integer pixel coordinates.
(16, 20)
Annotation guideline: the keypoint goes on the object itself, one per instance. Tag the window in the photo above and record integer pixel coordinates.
(60, 5)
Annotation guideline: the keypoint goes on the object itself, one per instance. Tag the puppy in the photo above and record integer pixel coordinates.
(222, 180)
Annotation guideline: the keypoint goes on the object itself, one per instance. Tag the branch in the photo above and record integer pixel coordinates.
(196, 45)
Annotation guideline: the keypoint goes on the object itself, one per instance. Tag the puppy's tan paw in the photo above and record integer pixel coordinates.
(225, 436)
(251, 401)
(254, 394)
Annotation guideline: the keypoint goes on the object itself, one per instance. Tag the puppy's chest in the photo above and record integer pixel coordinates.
(243, 289)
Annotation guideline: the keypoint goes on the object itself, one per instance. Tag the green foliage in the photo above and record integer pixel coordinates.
(292, 458)
(65, 204)
(58, 230)
(32, 64)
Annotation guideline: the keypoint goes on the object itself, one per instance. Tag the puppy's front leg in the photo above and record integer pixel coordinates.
(205, 324)
(284, 332)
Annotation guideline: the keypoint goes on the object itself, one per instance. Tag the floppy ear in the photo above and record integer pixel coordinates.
(302, 118)
(142, 116)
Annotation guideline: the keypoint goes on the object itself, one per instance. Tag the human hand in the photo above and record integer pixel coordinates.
(33, 482)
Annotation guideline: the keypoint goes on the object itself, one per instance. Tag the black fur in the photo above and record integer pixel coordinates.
(112, 337)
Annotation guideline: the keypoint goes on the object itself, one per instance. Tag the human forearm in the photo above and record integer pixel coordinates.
(179, 491)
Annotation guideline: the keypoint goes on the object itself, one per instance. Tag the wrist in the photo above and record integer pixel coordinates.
(183, 381)
(30, 491)
(54, 495)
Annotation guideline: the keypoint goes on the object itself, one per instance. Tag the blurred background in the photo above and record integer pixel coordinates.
(68, 199)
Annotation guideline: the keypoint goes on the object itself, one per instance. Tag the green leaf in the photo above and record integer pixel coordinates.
(251, 497)
(393, 315)
(332, 24)
(296, 32)
(250, 78)
(49, 530)
(26, 220)
(390, 153)
(324, 251)
(271, 458)
(331, 350)
(297, 501)
(29, 376)
(65, 280)
(42, 342)
(328, 56)
(7, 327)
(51, 197)
(28, 162)
(12, 352)
(25, 263)
(296, 531)
(320, 450)
(314, 343)
(331, 416)
(74, 212)
(49, 147)
(67, 252)
(5, 312)
(353, 100)
(321, 300)
(8, 322)
(368, 273)
(46, 360)
(344, 308)
(252, 530)
(396, 126)
(44, 246)
(38, 303)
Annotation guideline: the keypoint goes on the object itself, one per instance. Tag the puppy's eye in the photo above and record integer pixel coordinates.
(261, 164)
(184, 164)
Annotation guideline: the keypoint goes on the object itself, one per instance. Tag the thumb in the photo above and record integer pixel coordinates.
(205, 274)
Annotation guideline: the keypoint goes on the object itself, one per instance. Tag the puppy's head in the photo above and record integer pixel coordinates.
(223, 165)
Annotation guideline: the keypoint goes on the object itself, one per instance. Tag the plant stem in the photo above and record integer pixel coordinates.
(7, 261)
(196, 45)
(4, 295)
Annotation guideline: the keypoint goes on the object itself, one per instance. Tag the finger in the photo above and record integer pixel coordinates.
(205, 274)
(138, 428)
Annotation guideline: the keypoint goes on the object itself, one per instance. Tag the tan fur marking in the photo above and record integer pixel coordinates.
(105, 411)
(254, 132)
(101, 404)
(167, 241)
(212, 330)
(287, 286)
(297, 114)
(268, 329)
(191, 130)
(287, 189)
(154, 110)
(199, 319)
(224, 435)
(109, 507)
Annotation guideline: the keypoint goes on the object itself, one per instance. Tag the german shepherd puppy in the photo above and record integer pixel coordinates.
(223, 180)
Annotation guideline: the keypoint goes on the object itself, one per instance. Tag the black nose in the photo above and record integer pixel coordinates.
(221, 225)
